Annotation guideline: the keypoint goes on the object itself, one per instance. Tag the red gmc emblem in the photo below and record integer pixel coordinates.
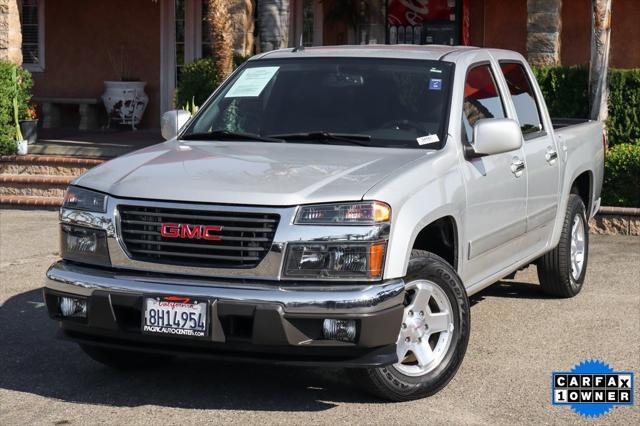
(192, 232)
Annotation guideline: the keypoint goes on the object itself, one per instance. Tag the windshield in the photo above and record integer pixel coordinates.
(370, 102)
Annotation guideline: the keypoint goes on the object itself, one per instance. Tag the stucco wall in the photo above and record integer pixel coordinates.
(575, 37)
(79, 36)
(503, 24)
(625, 34)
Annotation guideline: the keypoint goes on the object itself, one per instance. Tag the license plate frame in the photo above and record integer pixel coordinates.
(177, 304)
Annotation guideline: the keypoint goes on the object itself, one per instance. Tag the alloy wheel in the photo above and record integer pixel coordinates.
(427, 329)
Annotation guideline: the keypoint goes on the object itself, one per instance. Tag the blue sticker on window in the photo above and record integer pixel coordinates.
(435, 84)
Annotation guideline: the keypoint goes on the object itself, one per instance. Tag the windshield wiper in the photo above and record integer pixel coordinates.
(226, 135)
(354, 138)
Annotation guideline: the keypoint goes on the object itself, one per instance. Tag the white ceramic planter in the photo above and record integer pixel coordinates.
(125, 101)
(23, 147)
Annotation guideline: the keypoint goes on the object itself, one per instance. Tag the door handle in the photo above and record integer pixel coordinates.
(517, 167)
(551, 156)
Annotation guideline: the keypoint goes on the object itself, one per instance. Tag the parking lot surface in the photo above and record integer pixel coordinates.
(518, 338)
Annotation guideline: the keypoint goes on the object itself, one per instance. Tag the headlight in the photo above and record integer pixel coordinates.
(84, 245)
(358, 213)
(335, 260)
(84, 199)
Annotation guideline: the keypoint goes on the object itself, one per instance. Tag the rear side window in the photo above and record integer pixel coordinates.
(481, 98)
(523, 97)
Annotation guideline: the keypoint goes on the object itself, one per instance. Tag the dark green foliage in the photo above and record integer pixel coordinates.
(623, 125)
(197, 82)
(7, 146)
(565, 90)
(7, 92)
(622, 176)
(199, 79)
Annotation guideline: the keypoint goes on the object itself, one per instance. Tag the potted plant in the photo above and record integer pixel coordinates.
(124, 98)
(29, 124)
(21, 143)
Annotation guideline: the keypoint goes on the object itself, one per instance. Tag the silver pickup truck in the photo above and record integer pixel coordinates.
(330, 206)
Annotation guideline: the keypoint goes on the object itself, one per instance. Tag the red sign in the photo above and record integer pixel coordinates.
(416, 12)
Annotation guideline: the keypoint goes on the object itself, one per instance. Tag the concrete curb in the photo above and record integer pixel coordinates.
(616, 221)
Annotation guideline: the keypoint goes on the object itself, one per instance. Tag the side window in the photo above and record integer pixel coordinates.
(523, 97)
(481, 98)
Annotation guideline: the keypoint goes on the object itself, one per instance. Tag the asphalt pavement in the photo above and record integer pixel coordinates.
(518, 337)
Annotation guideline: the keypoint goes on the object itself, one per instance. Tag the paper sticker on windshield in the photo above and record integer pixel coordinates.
(423, 140)
(251, 82)
(435, 84)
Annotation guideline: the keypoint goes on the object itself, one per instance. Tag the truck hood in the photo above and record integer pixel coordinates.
(249, 173)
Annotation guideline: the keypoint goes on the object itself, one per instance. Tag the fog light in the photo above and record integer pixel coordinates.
(70, 307)
(343, 330)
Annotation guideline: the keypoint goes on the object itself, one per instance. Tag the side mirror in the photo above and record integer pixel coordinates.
(172, 122)
(495, 136)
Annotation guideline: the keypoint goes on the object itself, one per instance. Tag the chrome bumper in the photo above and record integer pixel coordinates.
(306, 298)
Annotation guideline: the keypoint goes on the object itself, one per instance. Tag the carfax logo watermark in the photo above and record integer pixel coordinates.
(592, 388)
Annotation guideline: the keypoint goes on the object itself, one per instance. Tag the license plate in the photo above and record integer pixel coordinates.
(175, 316)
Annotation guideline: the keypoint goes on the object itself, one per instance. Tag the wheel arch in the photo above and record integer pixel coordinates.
(439, 237)
(439, 223)
(582, 185)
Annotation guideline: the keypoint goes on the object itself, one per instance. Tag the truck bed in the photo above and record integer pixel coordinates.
(559, 123)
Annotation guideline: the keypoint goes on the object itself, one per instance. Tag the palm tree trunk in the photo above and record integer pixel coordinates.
(273, 24)
(242, 19)
(221, 37)
(544, 24)
(599, 64)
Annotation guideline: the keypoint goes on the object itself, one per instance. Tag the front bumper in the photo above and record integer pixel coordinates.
(250, 320)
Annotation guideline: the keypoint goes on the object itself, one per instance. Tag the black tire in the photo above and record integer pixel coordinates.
(123, 359)
(388, 382)
(554, 268)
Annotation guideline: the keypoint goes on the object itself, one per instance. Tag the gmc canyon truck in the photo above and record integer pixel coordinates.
(330, 206)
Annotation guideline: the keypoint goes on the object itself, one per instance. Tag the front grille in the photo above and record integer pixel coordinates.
(244, 240)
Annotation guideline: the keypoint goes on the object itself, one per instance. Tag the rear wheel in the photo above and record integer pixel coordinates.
(433, 336)
(123, 359)
(561, 271)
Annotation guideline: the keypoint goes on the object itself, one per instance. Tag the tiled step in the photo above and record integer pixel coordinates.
(34, 185)
(38, 181)
(26, 201)
(46, 165)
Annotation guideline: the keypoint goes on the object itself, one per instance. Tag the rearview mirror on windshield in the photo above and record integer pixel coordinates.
(172, 122)
(495, 136)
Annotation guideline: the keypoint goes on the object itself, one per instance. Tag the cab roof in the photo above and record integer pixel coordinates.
(396, 51)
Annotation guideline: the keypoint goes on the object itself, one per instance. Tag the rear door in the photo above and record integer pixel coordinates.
(540, 152)
(495, 217)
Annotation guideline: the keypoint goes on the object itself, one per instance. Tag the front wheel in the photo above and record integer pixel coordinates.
(433, 336)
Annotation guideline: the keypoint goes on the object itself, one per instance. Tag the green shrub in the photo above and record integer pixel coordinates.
(565, 90)
(8, 146)
(197, 82)
(7, 92)
(199, 79)
(623, 125)
(621, 185)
